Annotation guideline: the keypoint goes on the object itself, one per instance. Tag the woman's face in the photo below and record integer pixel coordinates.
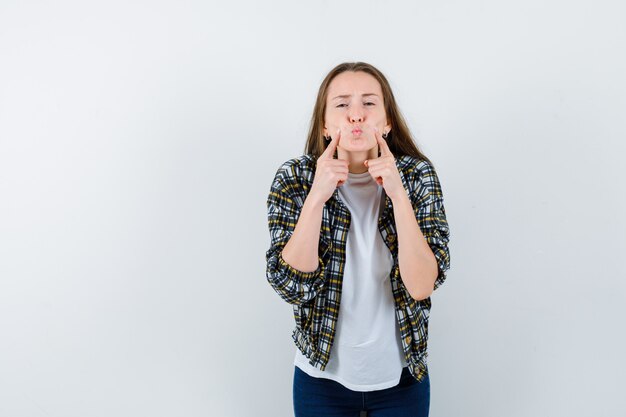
(355, 105)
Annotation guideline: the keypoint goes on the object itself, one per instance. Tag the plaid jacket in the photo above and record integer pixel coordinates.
(315, 296)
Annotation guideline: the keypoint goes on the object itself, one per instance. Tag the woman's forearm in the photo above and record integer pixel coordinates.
(301, 251)
(418, 265)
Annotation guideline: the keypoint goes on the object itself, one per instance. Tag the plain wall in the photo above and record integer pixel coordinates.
(138, 142)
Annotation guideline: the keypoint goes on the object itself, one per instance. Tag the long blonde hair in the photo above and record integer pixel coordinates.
(399, 139)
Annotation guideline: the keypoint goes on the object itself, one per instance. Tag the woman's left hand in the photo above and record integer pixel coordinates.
(384, 170)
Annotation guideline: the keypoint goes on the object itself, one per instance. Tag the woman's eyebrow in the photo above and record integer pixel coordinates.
(350, 95)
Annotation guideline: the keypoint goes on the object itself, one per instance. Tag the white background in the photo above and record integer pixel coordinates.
(138, 141)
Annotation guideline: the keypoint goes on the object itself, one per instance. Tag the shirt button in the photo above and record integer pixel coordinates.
(407, 340)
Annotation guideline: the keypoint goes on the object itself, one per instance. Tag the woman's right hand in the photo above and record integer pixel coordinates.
(330, 173)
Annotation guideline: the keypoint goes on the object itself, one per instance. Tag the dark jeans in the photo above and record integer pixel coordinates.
(316, 397)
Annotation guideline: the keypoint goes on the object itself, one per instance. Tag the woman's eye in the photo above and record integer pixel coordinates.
(341, 105)
(369, 103)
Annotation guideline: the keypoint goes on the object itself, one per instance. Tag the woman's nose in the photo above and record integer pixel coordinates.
(356, 118)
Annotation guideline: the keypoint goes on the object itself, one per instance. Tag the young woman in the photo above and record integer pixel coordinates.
(359, 241)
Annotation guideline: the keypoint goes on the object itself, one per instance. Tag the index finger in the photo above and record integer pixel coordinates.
(382, 144)
(330, 149)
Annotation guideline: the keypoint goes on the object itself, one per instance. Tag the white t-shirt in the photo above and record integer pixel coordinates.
(367, 353)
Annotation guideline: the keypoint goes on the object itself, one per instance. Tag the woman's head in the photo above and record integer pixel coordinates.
(355, 97)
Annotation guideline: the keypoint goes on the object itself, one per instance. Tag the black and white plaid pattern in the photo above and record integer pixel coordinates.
(315, 296)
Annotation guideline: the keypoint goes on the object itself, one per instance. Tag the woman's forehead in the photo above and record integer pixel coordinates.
(351, 83)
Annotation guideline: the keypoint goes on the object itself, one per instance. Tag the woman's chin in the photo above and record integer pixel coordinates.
(358, 144)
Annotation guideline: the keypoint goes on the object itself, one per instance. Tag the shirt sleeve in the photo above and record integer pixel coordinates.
(293, 286)
(427, 201)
